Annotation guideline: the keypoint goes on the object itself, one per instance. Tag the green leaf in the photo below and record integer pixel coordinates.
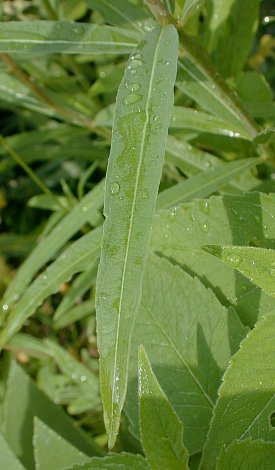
(23, 400)
(189, 8)
(123, 13)
(199, 79)
(189, 337)
(78, 288)
(244, 220)
(235, 35)
(250, 455)
(7, 457)
(48, 37)
(141, 122)
(75, 314)
(78, 257)
(192, 160)
(257, 95)
(123, 461)
(161, 429)
(82, 213)
(203, 184)
(52, 451)
(257, 264)
(248, 388)
(189, 118)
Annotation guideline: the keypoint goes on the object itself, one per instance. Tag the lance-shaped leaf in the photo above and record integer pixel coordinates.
(142, 114)
(203, 184)
(161, 429)
(48, 37)
(258, 264)
(247, 391)
(76, 258)
(83, 212)
(7, 457)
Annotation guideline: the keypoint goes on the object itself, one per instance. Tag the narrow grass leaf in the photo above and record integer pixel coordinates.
(52, 451)
(251, 454)
(258, 264)
(203, 184)
(48, 37)
(142, 114)
(161, 429)
(248, 388)
(76, 258)
(48, 246)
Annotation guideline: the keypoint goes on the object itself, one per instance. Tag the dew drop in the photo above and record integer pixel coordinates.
(167, 62)
(132, 86)
(234, 260)
(83, 378)
(45, 277)
(115, 187)
(205, 228)
(84, 209)
(131, 98)
(5, 307)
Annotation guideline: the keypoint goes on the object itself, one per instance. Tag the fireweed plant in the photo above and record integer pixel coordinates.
(137, 247)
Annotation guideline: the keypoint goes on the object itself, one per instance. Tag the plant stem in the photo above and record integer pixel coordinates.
(161, 13)
(72, 116)
(14, 155)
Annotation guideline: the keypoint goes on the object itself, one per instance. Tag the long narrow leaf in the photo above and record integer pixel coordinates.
(69, 225)
(203, 184)
(48, 37)
(143, 108)
(76, 258)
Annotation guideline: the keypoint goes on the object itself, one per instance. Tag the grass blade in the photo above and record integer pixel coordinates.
(142, 114)
(76, 258)
(62, 232)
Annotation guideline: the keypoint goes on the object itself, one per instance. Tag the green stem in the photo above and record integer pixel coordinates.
(25, 167)
(160, 12)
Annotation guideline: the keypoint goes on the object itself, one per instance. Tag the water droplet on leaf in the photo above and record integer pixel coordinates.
(115, 187)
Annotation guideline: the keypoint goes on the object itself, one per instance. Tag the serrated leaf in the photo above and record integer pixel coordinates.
(122, 461)
(249, 454)
(61, 233)
(189, 337)
(23, 400)
(52, 451)
(244, 220)
(7, 457)
(203, 184)
(79, 256)
(140, 129)
(247, 389)
(161, 429)
(258, 264)
(48, 37)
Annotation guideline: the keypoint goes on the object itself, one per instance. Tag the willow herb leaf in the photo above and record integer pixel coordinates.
(143, 107)
(48, 37)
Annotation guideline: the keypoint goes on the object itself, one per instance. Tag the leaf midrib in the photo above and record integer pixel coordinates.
(132, 216)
